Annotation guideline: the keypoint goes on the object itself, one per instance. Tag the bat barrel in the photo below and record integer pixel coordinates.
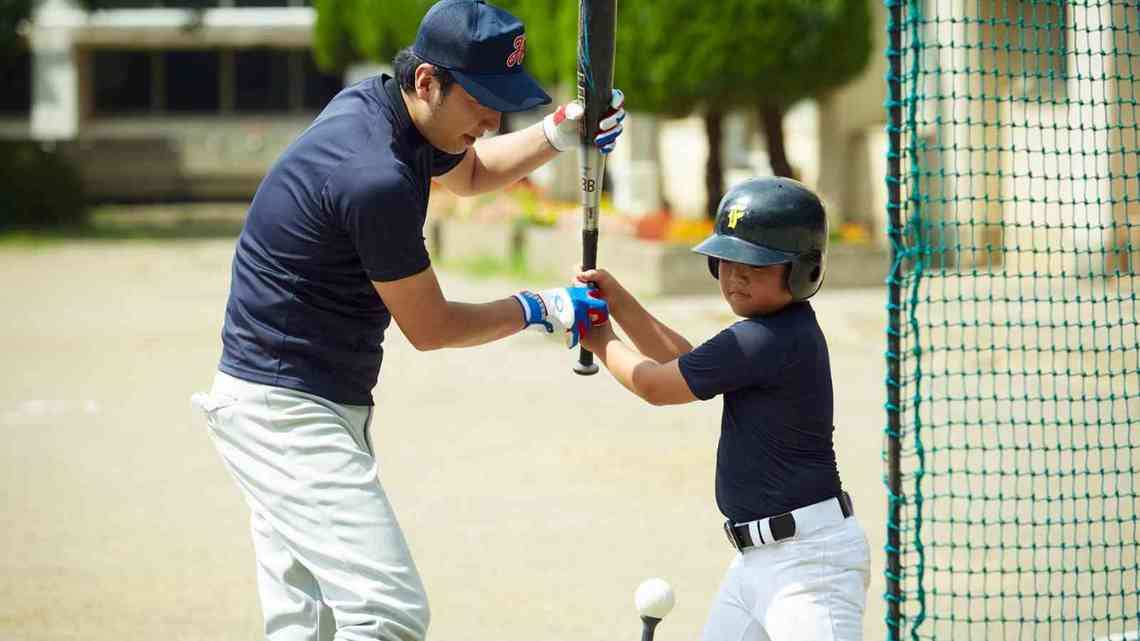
(596, 35)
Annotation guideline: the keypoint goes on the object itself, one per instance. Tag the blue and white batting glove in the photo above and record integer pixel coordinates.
(569, 311)
(609, 127)
(561, 127)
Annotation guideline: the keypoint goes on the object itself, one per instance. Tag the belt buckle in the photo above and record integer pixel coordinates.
(730, 532)
(782, 526)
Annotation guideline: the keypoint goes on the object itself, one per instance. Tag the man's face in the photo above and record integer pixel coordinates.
(752, 291)
(456, 119)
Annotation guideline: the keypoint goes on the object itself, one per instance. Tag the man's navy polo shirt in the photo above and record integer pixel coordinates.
(343, 206)
(775, 452)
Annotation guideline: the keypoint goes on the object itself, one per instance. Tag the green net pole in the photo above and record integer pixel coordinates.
(894, 208)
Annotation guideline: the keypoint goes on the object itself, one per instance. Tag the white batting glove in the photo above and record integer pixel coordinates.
(561, 127)
(566, 311)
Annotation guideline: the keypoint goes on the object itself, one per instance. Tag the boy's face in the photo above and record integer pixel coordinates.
(754, 291)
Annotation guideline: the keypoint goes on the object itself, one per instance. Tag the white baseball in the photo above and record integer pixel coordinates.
(654, 598)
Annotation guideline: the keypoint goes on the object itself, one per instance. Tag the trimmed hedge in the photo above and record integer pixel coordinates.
(39, 187)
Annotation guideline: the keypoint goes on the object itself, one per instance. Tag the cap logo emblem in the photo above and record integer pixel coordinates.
(519, 52)
(734, 216)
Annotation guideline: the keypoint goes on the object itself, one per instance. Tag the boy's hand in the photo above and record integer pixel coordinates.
(608, 287)
(595, 340)
(570, 311)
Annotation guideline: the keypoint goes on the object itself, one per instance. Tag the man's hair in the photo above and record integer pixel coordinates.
(406, 62)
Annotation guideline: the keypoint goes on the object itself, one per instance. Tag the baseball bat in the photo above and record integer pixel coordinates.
(597, 25)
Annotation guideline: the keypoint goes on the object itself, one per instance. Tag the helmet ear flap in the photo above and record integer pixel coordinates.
(714, 267)
(806, 276)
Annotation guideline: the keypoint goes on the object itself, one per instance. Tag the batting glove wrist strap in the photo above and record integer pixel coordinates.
(534, 311)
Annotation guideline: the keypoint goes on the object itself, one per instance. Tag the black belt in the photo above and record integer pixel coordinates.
(783, 526)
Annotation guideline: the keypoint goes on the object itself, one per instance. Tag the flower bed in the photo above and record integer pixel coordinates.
(651, 253)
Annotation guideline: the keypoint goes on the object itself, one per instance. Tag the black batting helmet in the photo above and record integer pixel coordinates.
(771, 221)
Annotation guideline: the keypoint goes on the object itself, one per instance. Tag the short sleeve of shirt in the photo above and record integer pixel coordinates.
(384, 220)
(747, 354)
(443, 162)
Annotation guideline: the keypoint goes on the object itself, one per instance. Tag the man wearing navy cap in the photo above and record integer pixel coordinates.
(332, 250)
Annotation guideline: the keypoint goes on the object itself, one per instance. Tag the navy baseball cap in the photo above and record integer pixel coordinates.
(483, 47)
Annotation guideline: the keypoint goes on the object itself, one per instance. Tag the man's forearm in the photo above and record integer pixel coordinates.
(469, 324)
(501, 160)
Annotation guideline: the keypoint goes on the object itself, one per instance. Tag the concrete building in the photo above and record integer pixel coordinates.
(1051, 175)
(1027, 137)
(171, 98)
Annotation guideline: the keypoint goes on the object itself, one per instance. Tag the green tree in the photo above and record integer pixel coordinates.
(352, 30)
(552, 35)
(348, 31)
(676, 57)
(658, 74)
(673, 57)
(801, 49)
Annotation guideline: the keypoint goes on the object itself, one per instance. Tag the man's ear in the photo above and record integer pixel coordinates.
(426, 83)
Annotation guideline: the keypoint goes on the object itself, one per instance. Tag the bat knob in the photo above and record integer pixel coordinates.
(586, 370)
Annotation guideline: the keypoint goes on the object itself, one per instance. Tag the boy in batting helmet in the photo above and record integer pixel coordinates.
(802, 563)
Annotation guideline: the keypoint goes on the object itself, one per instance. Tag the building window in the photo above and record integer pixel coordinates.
(121, 81)
(261, 80)
(16, 76)
(122, 4)
(196, 81)
(192, 4)
(192, 81)
(189, 4)
(320, 87)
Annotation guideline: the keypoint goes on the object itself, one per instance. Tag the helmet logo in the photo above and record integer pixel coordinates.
(734, 216)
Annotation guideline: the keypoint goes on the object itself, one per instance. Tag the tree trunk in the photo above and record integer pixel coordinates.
(714, 170)
(659, 164)
(772, 120)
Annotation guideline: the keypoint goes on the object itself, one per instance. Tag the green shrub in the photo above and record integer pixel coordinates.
(39, 188)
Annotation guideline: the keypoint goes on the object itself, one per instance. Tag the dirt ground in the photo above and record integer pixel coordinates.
(534, 501)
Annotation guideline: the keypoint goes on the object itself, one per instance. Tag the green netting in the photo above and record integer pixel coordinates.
(1013, 442)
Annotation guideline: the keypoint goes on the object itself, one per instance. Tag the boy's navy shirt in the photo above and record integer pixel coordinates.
(775, 452)
(343, 206)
